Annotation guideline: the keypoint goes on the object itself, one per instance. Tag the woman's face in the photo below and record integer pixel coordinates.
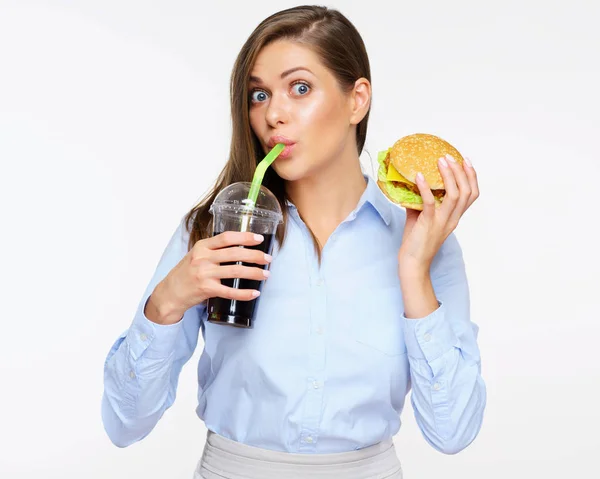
(295, 99)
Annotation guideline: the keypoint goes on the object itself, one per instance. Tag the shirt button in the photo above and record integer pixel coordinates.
(316, 384)
(427, 337)
(320, 282)
(319, 330)
(436, 386)
(309, 439)
(143, 337)
(131, 374)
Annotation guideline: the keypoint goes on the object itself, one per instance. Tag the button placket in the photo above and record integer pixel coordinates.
(316, 355)
(310, 423)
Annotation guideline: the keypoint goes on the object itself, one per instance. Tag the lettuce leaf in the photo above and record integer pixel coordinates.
(397, 193)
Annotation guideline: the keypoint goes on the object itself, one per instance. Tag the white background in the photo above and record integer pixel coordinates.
(114, 120)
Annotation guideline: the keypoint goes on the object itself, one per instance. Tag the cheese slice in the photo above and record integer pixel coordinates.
(394, 175)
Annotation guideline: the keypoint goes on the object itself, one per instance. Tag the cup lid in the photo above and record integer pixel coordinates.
(234, 199)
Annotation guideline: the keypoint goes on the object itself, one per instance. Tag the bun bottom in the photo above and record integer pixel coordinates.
(412, 206)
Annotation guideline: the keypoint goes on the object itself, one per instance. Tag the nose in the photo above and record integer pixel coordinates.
(277, 112)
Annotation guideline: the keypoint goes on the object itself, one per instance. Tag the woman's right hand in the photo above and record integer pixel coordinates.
(198, 275)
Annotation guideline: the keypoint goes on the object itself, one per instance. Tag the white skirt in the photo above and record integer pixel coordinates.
(226, 459)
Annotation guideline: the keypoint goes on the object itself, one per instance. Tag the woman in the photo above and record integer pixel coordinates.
(364, 300)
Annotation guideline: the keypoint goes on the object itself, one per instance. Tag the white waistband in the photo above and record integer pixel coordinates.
(224, 458)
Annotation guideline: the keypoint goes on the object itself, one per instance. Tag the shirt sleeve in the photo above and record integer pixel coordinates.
(143, 366)
(449, 394)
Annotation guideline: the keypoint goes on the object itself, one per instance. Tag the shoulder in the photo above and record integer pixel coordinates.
(182, 232)
(177, 245)
(449, 259)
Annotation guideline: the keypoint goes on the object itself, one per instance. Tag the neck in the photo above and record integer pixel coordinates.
(326, 199)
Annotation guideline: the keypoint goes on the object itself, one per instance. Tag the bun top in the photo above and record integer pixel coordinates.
(419, 153)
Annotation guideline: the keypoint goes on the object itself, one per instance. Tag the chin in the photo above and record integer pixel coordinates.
(290, 170)
(288, 175)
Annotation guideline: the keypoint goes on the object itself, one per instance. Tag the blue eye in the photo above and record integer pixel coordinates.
(258, 96)
(302, 89)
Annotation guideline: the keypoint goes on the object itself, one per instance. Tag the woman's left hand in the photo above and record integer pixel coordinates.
(426, 230)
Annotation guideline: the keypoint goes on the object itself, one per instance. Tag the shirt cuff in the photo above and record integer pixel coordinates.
(156, 341)
(429, 337)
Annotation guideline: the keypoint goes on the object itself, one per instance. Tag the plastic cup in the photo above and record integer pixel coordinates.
(233, 211)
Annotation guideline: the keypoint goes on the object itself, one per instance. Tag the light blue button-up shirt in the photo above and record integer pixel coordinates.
(331, 357)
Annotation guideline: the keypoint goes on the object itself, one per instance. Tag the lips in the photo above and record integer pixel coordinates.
(279, 139)
(286, 141)
(287, 151)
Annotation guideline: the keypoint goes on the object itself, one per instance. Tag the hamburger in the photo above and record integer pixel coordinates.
(399, 165)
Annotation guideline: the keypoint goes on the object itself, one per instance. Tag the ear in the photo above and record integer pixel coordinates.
(360, 100)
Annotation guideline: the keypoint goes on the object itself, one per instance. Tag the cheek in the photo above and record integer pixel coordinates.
(331, 121)
(254, 121)
(319, 115)
(328, 130)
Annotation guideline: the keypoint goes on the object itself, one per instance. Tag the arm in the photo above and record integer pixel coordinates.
(143, 366)
(449, 394)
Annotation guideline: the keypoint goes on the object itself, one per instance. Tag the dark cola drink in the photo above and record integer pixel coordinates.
(239, 313)
(233, 211)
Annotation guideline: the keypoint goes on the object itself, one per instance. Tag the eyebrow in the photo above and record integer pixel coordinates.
(283, 75)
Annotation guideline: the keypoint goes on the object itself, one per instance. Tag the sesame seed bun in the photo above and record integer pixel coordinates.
(420, 152)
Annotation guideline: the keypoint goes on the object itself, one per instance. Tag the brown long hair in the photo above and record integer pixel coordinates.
(340, 48)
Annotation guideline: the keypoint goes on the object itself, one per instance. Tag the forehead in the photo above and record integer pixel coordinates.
(283, 55)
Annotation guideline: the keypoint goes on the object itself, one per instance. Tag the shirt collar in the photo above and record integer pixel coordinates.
(373, 196)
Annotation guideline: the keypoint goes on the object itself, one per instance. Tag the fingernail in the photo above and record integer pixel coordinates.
(451, 158)
(258, 237)
(268, 258)
(267, 273)
(468, 162)
(255, 294)
(444, 163)
(420, 176)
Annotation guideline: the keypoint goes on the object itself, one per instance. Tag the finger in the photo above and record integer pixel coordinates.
(233, 238)
(464, 188)
(472, 176)
(239, 271)
(226, 292)
(427, 195)
(235, 253)
(451, 196)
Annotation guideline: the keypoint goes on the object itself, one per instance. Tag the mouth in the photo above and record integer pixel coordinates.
(287, 151)
(289, 145)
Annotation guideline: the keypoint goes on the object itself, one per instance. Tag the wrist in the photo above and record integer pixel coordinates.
(415, 286)
(410, 270)
(418, 296)
(160, 309)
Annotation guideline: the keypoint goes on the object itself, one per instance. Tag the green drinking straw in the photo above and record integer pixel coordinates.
(259, 174)
(260, 171)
